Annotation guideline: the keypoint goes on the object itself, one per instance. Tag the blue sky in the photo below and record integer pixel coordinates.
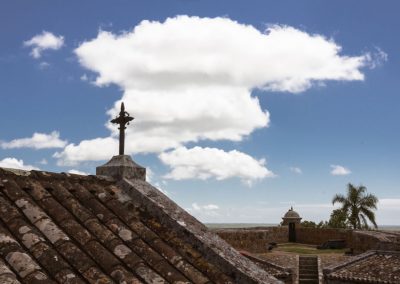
(243, 108)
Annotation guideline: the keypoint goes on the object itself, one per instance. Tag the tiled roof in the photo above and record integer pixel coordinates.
(62, 228)
(280, 272)
(369, 267)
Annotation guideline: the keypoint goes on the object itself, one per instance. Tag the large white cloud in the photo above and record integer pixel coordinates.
(205, 163)
(14, 163)
(184, 51)
(190, 78)
(37, 141)
(43, 41)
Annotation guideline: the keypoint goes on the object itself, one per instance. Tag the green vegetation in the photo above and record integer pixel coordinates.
(311, 224)
(338, 219)
(304, 249)
(356, 210)
(357, 206)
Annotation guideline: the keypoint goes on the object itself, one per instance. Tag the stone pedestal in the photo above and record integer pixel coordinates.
(122, 166)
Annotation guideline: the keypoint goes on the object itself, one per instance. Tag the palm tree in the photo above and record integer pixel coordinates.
(358, 205)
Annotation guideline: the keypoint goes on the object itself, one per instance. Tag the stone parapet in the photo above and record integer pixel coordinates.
(254, 239)
(317, 236)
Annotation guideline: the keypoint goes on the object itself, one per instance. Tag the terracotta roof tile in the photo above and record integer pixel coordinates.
(80, 260)
(272, 268)
(370, 267)
(19, 260)
(61, 228)
(6, 274)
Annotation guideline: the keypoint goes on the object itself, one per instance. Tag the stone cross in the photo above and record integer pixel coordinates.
(123, 119)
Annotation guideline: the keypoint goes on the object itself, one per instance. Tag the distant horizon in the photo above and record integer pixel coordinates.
(237, 225)
(265, 223)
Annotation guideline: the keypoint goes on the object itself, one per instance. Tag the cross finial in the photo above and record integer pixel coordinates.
(122, 120)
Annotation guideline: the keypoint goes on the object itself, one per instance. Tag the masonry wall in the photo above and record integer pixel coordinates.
(366, 240)
(254, 239)
(257, 239)
(363, 242)
(314, 236)
(360, 241)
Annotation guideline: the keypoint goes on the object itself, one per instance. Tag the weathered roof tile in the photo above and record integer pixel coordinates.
(67, 276)
(8, 212)
(96, 276)
(6, 275)
(369, 267)
(104, 257)
(19, 260)
(76, 257)
(54, 209)
(81, 235)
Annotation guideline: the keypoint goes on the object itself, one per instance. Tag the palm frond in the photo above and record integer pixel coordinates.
(370, 215)
(364, 222)
(339, 198)
(358, 205)
(369, 201)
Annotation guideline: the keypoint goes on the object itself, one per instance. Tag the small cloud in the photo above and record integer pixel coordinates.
(105, 26)
(14, 163)
(37, 141)
(211, 207)
(84, 77)
(203, 211)
(45, 40)
(43, 162)
(338, 170)
(296, 170)
(44, 65)
(77, 172)
(376, 59)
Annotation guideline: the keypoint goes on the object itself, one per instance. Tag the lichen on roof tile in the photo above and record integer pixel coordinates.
(33, 213)
(4, 239)
(125, 234)
(22, 263)
(51, 230)
(30, 240)
(122, 251)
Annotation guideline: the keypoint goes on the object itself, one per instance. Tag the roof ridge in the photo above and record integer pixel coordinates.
(210, 246)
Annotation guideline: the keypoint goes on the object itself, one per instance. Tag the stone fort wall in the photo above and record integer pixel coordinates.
(253, 239)
(257, 239)
(314, 236)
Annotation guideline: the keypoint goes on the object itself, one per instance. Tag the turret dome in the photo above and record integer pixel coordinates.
(291, 217)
